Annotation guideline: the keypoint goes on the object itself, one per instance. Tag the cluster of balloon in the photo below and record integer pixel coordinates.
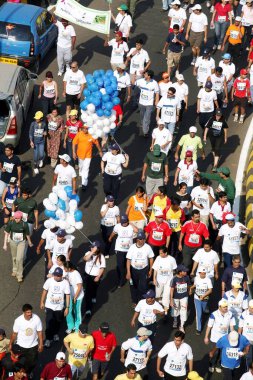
(101, 96)
(61, 206)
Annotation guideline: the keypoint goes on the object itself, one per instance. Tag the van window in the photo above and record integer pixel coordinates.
(16, 32)
(47, 18)
(40, 27)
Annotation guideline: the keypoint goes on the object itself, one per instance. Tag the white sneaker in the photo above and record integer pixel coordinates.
(107, 256)
(177, 73)
(236, 117)
(56, 338)
(59, 74)
(214, 47)
(211, 369)
(88, 312)
(93, 300)
(241, 120)
(219, 47)
(36, 171)
(193, 61)
(181, 328)
(41, 164)
(47, 343)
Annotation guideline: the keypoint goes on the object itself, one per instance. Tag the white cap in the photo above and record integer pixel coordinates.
(238, 18)
(193, 129)
(230, 217)
(223, 303)
(233, 338)
(236, 284)
(202, 269)
(197, 6)
(176, 2)
(60, 356)
(158, 212)
(160, 122)
(65, 157)
(180, 77)
(251, 303)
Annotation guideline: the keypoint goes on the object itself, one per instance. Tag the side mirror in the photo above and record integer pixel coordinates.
(33, 76)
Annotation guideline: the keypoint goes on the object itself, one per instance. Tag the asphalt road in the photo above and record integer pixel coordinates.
(114, 307)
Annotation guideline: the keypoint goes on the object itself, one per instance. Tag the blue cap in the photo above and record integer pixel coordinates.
(58, 272)
(226, 56)
(206, 51)
(61, 233)
(181, 268)
(124, 219)
(150, 294)
(95, 243)
(115, 147)
(208, 84)
(110, 198)
(141, 235)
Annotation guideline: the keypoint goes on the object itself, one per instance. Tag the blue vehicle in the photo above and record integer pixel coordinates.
(27, 32)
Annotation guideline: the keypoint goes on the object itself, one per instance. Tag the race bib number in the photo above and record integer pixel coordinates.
(223, 329)
(79, 354)
(217, 125)
(52, 125)
(8, 167)
(24, 217)
(232, 353)
(206, 105)
(144, 95)
(234, 34)
(169, 113)
(221, 18)
(125, 244)
(17, 236)
(181, 288)
(173, 223)
(194, 238)
(138, 359)
(156, 166)
(109, 222)
(176, 365)
(157, 235)
(38, 132)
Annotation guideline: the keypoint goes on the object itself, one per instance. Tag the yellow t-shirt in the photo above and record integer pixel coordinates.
(233, 33)
(136, 204)
(80, 346)
(158, 204)
(124, 377)
(173, 218)
(191, 143)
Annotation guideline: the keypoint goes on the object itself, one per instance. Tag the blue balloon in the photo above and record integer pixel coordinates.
(98, 94)
(84, 104)
(107, 82)
(107, 113)
(75, 197)
(49, 214)
(96, 101)
(116, 100)
(105, 98)
(114, 86)
(109, 90)
(68, 190)
(100, 112)
(100, 82)
(96, 74)
(90, 81)
(89, 99)
(116, 93)
(108, 106)
(89, 77)
(109, 73)
(114, 79)
(86, 92)
(61, 204)
(102, 72)
(94, 87)
(78, 215)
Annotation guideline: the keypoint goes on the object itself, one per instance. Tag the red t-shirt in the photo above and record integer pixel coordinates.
(103, 345)
(194, 233)
(73, 128)
(51, 371)
(157, 233)
(241, 87)
(119, 112)
(222, 12)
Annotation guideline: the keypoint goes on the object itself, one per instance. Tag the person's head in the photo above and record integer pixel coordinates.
(27, 311)
(69, 266)
(2, 333)
(181, 270)
(38, 116)
(180, 78)
(131, 371)
(57, 274)
(236, 286)
(157, 150)
(143, 333)
(95, 247)
(19, 371)
(197, 9)
(230, 219)
(188, 155)
(150, 296)
(202, 272)
(236, 261)
(176, 29)
(249, 3)
(218, 114)
(238, 20)
(192, 131)
(175, 203)
(61, 235)
(104, 328)
(218, 71)
(55, 111)
(140, 238)
(195, 216)
(206, 53)
(8, 150)
(115, 149)
(160, 124)
(223, 197)
(178, 338)
(139, 44)
(64, 22)
(64, 159)
(204, 183)
(233, 338)
(158, 216)
(49, 76)
(223, 306)
(208, 86)
(149, 74)
(74, 66)
(163, 252)
(226, 58)
(207, 245)
(16, 351)
(26, 193)
(175, 4)
(123, 8)
(82, 330)
(18, 216)
(121, 68)
(110, 201)
(73, 115)
(161, 191)
(243, 73)
(224, 172)
(118, 36)
(171, 92)
(61, 260)
(182, 188)
(60, 359)
(124, 221)
(165, 77)
(139, 191)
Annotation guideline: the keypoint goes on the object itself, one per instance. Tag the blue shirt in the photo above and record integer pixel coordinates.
(230, 274)
(175, 47)
(230, 354)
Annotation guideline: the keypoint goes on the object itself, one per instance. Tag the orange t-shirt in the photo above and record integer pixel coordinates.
(84, 142)
(233, 33)
(136, 204)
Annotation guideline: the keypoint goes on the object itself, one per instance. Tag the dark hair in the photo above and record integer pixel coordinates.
(18, 367)
(131, 367)
(163, 249)
(69, 265)
(62, 258)
(26, 307)
(176, 26)
(98, 254)
(162, 189)
(208, 241)
(236, 257)
(204, 181)
(222, 194)
(175, 201)
(179, 334)
(150, 73)
(26, 190)
(195, 212)
(140, 189)
(139, 41)
(9, 146)
(182, 184)
(54, 108)
(49, 74)
(172, 89)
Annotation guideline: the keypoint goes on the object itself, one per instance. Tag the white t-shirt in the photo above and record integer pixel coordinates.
(228, 69)
(231, 238)
(113, 163)
(148, 91)
(118, 51)
(236, 304)
(220, 324)
(48, 236)
(182, 90)
(162, 136)
(124, 22)
(207, 100)
(175, 364)
(186, 173)
(206, 260)
(177, 16)
(217, 210)
(74, 279)
(74, 81)
(140, 256)
(93, 266)
(218, 82)
(147, 316)
(65, 174)
(136, 352)
(164, 267)
(246, 322)
(169, 107)
(138, 61)
(110, 218)
(164, 87)
(60, 249)
(56, 291)
(201, 197)
(247, 376)
(65, 35)
(202, 286)
(204, 68)
(27, 330)
(54, 266)
(125, 237)
(199, 21)
(247, 18)
(122, 80)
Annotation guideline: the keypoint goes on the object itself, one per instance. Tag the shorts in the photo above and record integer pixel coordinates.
(72, 100)
(196, 38)
(242, 102)
(173, 59)
(98, 366)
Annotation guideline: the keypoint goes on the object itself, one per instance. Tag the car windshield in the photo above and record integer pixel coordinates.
(15, 32)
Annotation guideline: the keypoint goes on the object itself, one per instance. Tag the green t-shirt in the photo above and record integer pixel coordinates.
(28, 207)
(18, 231)
(156, 165)
(226, 185)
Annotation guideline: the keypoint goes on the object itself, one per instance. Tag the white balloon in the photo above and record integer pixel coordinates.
(89, 120)
(60, 214)
(102, 90)
(45, 202)
(53, 198)
(113, 112)
(91, 131)
(99, 123)
(106, 129)
(79, 225)
(84, 117)
(55, 189)
(71, 220)
(112, 126)
(70, 230)
(113, 118)
(47, 224)
(95, 136)
(106, 122)
(84, 113)
(91, 108)
(62, 194)
(62, 224)
(95, 127)
(99, 133)
(51, 207)
(72, 204)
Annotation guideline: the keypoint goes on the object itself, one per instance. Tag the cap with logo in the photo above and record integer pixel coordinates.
(230, 217)
(141, 235)
(110, 198)
(124, 219)
(61, 233)
(238, 18)
(218, 112)
(156, 150)
(60, 356)
(104, 327)
(65, 157)
(224, 170)
(223, 303)
(158, 213)
(150, 294)
(142, 331)
(206, 52)
(96, 244)
(13, 180)
(202, 270)
(188, 153)
(208, 84)
(243, 72)
(58, 272)
(197, 6)
(115, 147)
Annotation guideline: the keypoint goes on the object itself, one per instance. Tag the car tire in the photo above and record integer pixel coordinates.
(36, 66)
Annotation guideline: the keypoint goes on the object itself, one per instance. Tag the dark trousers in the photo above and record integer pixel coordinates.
(31, 356)
(140, 283)
(69, 151)
(121, 266)
(235, 51)
(122, 96)
(173, 247)
(53, 322)
(91, 289)
(167, 376)
(231, 374)
(215, 359)
(204, 117)
(188, 253)
(156, 249)
(47, 105)
(106, 232)
(112, 185)
(152, 327)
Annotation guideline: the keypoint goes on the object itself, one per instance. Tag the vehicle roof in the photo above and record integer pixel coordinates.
(9, 74)
(18, 13)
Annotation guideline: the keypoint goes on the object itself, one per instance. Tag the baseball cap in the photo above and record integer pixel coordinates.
(95, 243)
(188, 153)
(236, 284)
(181, 268)
(160, 122)
(197, 6)
(18, 214)
(58, 272)
(238, 18)
(121, 66)
(226, 56)
(180, 77)
(65, 157)
(233, 338)
(224, 170)
(218, 112)
(60, 356)
(150, 294)
(230, 217)
(141, 235)
(202, 270)
(124, 219)
(110, 198)
(104, 327)
(119, 34)
(83, 329)
(193, 129)
(61, 233)
(175, 2)
(115, 147)
(243, 72)
(73, 113)
(156, 150)
(142, 331)
(223, 303)
(208, 84)
(38, 115)
(123, 7)
(158, 214)
(13, 180)
(206, 52)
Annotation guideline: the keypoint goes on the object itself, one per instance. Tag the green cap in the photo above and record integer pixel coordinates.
(123, 7)
(156, 150)
(224, 170)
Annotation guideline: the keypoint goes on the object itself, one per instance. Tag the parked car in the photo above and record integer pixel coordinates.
(27, 32)
(16, 93)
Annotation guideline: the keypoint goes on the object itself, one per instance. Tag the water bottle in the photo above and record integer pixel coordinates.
(107, 356)
(131, 281)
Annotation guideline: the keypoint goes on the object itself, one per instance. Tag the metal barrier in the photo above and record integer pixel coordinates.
(249, 212)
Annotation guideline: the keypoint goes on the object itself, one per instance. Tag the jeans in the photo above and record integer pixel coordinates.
(139, 287)
(227, 259)
(69, 151)
(166, 4)
(200, 306)
(220, 30)
(38, 152)
(170, 127)
(145, 117)
(106, 232)
(64, 57)
(47, 105)
(112, 185)
(121, 266)
(53, 322)
(74, 317)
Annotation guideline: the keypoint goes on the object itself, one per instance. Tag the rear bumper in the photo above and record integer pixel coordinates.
(21, 61)
(10, 140)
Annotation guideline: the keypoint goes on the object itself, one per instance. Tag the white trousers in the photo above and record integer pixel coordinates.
(84, 167)
(180, 308)
(163, 291)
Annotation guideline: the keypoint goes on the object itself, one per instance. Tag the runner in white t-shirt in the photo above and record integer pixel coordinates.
(60, 246)
(177, 15)
(65, 44)
(64, 173)
(185, 171)
(206, 258)
(109, 218)
(119, 49)
(204, 67)
(228, 68)
(202, 198)
(162, 137)
(206, 100)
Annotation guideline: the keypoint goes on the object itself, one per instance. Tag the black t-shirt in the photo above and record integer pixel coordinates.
(231, 274)
(216, 127)
(180, 286)
(10, 165)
